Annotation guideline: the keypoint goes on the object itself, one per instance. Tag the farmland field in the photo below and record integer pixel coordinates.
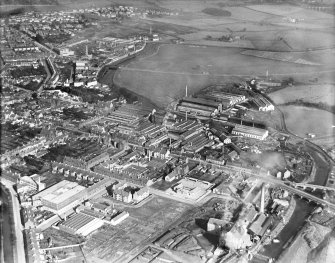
(200, 62)
(289, 10)
(164, 75)
(314, 93)
(302, 120)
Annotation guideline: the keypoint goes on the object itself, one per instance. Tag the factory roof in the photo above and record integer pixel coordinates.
(250, 129)
(201, 101)
(60, 191)
(77, 221)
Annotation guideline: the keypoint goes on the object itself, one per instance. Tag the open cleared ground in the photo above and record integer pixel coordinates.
(111, 243)
(302, 120)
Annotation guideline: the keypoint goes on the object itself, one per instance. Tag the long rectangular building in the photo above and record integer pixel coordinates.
(227, 99)
(194, 110)
(203, 102)
(251, 132)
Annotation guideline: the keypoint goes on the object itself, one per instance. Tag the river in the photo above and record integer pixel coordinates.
(302, 211)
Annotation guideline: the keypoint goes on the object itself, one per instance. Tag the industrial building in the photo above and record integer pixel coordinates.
(194, 110)
(196, 142)
(81, 224)
(119, 218)
(190, 188)
(250, 132)
(121, 117)
(260, 225)
(150, 130)
(214, 223)
(262, 103)
(184, 125)
(61, 195)
(226, 99)
(199, 106)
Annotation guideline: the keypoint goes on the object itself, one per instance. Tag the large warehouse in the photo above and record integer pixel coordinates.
(199, 106)
(81, 224)
(61, 195)
(251, 132)
(226, 99)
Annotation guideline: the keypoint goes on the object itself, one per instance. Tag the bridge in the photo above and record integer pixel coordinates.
(313, 187)
(268, 179)
(284, 185)
(291, 189)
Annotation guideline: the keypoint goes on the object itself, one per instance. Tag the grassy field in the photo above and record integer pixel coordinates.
(315, 93)
(164, 75)
(301, 120)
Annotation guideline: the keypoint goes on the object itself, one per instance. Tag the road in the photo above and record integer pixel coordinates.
(20, 254)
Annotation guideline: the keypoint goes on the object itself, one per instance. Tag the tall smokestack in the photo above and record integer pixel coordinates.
(262, 199)
(86, 50)
(186, 91)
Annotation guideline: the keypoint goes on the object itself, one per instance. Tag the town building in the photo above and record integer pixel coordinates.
(122, 195)
(30, 184)
(66, 52)
(141, 194)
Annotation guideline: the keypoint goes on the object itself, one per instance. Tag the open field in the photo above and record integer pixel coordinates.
(302, 120)
(314, 93)
(164, 75)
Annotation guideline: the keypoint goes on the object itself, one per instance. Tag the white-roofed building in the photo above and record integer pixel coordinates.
(61, 195)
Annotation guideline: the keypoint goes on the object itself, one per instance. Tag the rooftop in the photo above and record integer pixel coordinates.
(60, 191)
